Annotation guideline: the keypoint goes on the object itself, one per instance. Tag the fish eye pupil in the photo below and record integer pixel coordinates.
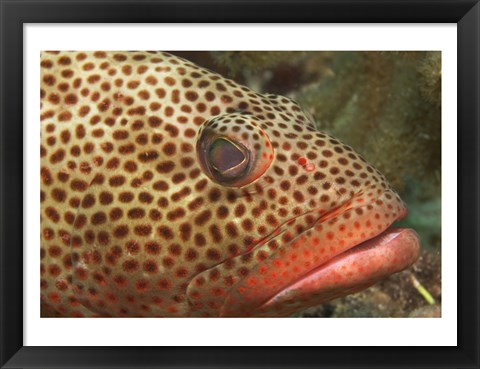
(228, 159)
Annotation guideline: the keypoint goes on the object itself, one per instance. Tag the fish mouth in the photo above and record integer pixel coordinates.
(323, 263)
(351, 271)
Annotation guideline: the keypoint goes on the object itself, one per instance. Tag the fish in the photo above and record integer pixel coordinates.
(168, 190)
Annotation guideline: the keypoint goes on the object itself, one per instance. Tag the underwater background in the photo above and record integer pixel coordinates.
(387, 106)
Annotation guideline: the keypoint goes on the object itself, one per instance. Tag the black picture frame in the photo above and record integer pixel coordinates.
(15, 13)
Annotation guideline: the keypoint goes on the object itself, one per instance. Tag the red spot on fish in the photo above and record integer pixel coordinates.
(54, 297)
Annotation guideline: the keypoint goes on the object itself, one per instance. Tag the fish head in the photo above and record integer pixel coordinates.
(310, 216)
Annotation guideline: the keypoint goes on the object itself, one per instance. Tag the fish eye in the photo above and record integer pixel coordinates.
(233, 157)
(228, 160)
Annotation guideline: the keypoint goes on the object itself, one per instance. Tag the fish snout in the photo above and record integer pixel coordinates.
(361, 223)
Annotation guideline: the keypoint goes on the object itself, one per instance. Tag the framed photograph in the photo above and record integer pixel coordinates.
(274, 180)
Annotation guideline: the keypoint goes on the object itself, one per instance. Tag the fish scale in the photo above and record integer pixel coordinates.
(144, 213)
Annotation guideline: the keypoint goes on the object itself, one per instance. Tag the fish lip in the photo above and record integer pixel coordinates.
(382, 240)
(388, 235)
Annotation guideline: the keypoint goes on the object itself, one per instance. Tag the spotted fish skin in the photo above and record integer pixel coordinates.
(168, 190)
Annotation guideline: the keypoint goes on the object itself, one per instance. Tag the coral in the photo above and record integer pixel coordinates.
(237, 61)
(430, 70)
